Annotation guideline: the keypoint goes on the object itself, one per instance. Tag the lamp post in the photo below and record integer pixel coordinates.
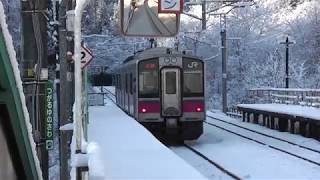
(287, 43)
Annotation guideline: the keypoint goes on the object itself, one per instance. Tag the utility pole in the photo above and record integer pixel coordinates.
(66, 87)
(224, 61)
(204, 19)
(287, 43)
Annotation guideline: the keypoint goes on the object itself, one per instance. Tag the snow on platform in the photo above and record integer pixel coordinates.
(129, 151)
(251, 160)
(295, 110)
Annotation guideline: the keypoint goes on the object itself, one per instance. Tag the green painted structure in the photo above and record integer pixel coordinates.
(12, 119)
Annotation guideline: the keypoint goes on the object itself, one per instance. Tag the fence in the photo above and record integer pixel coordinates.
(304, 97)
(96, 97)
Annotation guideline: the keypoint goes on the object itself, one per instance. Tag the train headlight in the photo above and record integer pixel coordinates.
(167, 60)
(143, 110)
(198, 109)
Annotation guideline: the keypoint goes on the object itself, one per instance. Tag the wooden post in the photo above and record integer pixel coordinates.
(255, 118)
(267, 121)
(243, 116)
(313, 130)
(302, 128)
(272, 122)
(283, 124)
(292, 122)
(264, 119)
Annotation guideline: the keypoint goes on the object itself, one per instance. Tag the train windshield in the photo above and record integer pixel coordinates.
(171, 86)
(149, 79)
(192, 78)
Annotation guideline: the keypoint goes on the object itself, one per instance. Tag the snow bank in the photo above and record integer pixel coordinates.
(14, 64)
(95, 162)
(295, 110)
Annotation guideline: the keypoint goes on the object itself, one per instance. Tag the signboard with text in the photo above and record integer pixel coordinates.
(49, 115)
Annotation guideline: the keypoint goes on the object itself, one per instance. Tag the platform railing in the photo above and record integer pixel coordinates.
(304, 97)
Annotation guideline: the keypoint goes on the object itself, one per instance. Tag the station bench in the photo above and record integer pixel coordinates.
(278, 116)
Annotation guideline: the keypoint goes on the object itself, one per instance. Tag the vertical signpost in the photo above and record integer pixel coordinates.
(49, 115)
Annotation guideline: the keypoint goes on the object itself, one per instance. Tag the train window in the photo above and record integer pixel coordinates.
(126, 85)
(149, 78)
(134, 84)
(171, 86)
(131, 92)
(193, 85)
(192, 78)
(120, 83)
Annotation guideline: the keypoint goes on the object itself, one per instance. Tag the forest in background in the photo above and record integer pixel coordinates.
(255, 56)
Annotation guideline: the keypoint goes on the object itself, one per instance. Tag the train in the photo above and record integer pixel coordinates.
(164, 90)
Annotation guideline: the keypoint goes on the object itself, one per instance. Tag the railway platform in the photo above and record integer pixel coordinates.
(128, 151)
(284, 117)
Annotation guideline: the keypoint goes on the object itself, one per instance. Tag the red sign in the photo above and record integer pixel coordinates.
(150, 66)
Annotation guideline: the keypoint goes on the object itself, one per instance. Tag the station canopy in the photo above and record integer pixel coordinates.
(142, 18)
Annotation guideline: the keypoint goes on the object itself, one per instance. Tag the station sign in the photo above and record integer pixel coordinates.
(170, 6)
(49, 115)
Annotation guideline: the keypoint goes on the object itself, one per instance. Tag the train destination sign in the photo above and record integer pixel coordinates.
(49, 115)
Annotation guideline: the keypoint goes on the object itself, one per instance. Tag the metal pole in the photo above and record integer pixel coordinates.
(223, 27)
(224, 69)
(204, 19)
(287, 62)
(65, 91)
(287, 43)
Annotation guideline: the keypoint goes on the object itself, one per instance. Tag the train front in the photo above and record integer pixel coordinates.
(171, 101)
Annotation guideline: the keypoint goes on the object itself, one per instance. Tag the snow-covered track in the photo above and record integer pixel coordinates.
(276, 144)
(267, 135)
(221, 168)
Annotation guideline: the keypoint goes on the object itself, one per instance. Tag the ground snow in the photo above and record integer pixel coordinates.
(129, 151)
(296, 110)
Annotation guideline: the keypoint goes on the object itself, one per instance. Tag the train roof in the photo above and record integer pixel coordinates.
(155, 52)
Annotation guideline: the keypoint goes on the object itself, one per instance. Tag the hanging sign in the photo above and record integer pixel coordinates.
(170, 6)
(49, 115)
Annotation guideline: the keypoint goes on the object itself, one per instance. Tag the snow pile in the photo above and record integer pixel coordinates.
(14, 63)
(67, 127)
(95, 162)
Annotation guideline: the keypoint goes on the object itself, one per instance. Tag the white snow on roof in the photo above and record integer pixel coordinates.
(14, 64)
(284, 89)
(129, 151)
(295, 110)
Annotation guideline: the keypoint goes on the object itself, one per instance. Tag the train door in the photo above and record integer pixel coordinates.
(171, 92)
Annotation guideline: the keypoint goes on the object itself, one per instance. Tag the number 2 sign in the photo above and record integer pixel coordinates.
(170, 6)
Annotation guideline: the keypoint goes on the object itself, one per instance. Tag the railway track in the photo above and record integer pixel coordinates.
(198, 153)
(314, 151)
(256, 140)
(218, 166)
(267, 135)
